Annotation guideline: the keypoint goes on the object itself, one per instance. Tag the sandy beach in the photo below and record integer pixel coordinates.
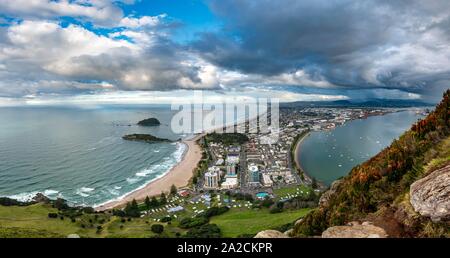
(297, 155)
(179, 176)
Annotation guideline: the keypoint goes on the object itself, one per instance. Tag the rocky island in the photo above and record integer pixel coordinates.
(144, 138)
(149, 122)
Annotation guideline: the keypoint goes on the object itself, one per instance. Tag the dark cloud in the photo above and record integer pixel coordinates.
(398, 44)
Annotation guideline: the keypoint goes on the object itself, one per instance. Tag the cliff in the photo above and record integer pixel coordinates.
(403, 190)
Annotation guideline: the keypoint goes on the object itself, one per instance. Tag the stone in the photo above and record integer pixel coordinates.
(270, 234)
(430, 196)
(325, 198)
(355, 230)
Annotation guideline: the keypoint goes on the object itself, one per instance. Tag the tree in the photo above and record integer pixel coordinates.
(154, 202)
(147, 202)
(157, 228)
(173, 190)
(314, 183)
(163, 199)
(132, 209)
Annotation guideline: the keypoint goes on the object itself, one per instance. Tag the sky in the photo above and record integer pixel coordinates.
(128, 51)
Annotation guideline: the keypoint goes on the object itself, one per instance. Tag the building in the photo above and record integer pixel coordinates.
(219, 162)
(266, 180)
(212, 178)
(231, 170)
(254, 173)
(232, 159)
(230, 183)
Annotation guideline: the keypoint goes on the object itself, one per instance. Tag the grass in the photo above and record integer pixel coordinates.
(33, 221)
(283, 192)
(238, 222)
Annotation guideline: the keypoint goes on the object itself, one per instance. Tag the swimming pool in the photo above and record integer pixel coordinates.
(262, 195)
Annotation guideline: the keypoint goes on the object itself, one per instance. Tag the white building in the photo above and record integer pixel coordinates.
(230, 183)
(266, 180)
(212, 178)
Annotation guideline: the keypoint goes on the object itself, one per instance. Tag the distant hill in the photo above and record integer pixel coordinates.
(379, 191)
(366, 103)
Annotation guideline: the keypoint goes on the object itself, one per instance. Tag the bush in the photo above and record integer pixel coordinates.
(193, 222)
(5, 201)
(119, 213)
(204, 231)
(166, 219)
(157, 228)
(276, 209)
(60, 204)
(267, 202)
(214, 211)
(53, 215)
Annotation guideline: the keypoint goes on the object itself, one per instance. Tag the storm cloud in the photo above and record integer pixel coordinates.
(389, 44)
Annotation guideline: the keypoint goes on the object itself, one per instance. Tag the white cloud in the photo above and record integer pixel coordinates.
(144, 21)
(164, 97)
(101, 12)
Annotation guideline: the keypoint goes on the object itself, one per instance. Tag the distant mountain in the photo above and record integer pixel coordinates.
(403, 191)
(365, 103)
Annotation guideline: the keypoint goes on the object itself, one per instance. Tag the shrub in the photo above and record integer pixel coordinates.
(53, 215)
(204, 231)
(157, 228)
(276, 209)
(214, 211)
(193, 222)
(166, 219)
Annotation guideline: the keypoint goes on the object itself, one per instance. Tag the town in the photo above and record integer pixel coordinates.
(253, 165)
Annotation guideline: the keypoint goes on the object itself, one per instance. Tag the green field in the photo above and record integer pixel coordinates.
(33, 221)
(238, 222)
(283, 192)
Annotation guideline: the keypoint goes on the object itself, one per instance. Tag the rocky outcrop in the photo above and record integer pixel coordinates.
(430, 196)
(355, 230)
(323, 201)
(149, 122)
(41, 198)
(270, 234)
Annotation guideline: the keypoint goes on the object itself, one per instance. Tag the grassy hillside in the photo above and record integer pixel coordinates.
(33, 221)
(378, 189)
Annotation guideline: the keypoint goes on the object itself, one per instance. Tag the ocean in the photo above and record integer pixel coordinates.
(329, 155)
(79, 155)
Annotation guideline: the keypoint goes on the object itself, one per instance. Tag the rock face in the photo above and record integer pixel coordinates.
(270, 234)
(430, 196)
(355, 230)
(323, 201)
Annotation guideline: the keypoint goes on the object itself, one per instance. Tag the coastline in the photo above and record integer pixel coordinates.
(297, 154)
(179, 175)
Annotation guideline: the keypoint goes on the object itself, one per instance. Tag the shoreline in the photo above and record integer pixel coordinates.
(179, 175)
(296, 155)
